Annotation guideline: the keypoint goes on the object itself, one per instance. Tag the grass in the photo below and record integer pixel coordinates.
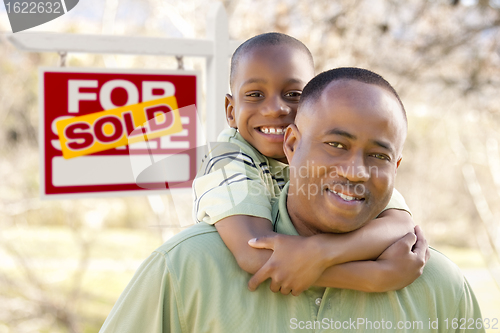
(52, 253)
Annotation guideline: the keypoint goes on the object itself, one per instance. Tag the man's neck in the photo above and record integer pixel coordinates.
(303, 229)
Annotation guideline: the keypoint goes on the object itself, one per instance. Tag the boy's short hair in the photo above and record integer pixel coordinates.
(314, 88)
(266, 39)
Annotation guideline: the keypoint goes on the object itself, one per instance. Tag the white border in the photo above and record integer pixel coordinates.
(64, 6)
(41, 135)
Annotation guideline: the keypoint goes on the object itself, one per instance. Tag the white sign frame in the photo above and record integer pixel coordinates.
(200, 135)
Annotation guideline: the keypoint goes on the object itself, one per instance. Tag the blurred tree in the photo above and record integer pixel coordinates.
(443, 57)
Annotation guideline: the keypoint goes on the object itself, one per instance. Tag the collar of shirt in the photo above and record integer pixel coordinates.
(282, 223)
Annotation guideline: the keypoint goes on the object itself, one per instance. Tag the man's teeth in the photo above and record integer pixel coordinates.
(345, 197)
(273, 130)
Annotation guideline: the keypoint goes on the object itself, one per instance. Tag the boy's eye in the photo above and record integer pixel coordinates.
(294, 94)
(381, 157)
(336, 145)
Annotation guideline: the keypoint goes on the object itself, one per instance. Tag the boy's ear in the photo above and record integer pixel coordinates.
(291, 141)
(231, 120)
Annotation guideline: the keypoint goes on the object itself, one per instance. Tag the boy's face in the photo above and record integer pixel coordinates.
(266, 89)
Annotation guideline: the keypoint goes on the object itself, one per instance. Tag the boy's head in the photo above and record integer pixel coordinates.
(268, 73)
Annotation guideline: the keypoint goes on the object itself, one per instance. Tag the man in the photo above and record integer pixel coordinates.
(348, 135)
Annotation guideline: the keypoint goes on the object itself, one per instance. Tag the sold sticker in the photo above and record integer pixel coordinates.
(117, 127)
(101, 128)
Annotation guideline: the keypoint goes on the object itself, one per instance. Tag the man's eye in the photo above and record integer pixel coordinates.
(381, 157)
(254, 94)
(336, 145)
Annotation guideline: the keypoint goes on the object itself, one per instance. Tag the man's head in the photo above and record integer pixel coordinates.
(344, 150)
(268, 73)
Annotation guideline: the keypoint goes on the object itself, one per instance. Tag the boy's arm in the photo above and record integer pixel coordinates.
(237, 230)
(369, 241)
(232, 194)
(310, 256)
(397, 267)
(325, 249)
(330, 249)
(298, 262)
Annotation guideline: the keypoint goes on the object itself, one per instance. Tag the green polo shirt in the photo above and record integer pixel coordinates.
(192, 283)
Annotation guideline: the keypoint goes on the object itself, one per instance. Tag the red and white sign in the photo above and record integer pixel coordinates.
(100, 129)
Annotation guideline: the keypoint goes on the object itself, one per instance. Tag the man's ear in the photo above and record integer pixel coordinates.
(398, 163)
(290, 141)
(231, 120)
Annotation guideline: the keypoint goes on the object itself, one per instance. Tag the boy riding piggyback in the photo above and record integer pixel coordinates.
(247, 169)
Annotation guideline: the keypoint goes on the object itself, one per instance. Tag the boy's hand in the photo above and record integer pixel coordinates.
(294, 265)
(403, 262)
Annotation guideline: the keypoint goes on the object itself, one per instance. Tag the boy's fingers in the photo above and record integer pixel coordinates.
(427, 254)
(275, 287)
(262, 243)
(257, 279)
(285, 291)
(421, 247)
(420, 235)
(408, 240)
(421, 241)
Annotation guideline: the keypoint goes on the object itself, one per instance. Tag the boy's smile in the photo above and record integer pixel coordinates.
(266, 90)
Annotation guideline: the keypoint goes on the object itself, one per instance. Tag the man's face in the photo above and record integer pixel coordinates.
(344, 151)
(267, 86)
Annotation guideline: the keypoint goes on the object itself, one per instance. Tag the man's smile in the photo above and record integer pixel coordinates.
(346, 197)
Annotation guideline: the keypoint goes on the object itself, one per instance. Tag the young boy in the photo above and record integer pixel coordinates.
(248, 169)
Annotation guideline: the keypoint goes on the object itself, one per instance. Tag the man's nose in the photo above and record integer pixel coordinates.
(354, 168)
(276, 108)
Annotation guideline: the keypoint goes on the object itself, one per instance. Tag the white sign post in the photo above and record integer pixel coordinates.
(216, 48)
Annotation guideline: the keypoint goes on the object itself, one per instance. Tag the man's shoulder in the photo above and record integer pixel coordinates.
(198, 256)
(441, 265)
(191, 239)
(442, 275)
